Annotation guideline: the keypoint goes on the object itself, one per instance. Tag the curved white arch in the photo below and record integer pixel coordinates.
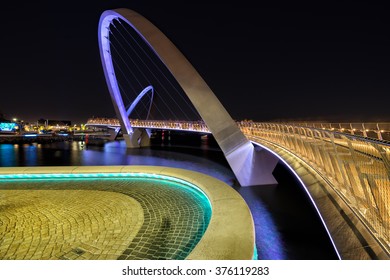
(238, 150)
(109, 72)
(139, 97)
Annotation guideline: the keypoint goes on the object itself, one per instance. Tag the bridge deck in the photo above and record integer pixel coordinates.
(351, 237)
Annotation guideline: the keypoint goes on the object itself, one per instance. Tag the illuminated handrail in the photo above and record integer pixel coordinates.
(358, 168)
(379, 130)
(197, 126)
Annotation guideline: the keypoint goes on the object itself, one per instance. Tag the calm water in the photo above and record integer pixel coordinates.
(287, 226)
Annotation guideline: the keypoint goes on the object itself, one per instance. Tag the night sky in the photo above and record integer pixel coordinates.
(275, 62)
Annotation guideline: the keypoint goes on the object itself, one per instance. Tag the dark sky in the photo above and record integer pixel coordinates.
(272, 62)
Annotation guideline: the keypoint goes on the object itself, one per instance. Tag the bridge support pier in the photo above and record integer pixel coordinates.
(253, 166)
(113, 133)
(139, 138)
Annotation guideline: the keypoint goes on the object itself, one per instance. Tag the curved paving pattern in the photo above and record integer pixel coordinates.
(98, 219)
(176, 225)
(66, 224)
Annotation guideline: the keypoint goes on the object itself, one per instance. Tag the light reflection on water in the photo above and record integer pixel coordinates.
(268, 239)
(7, 154)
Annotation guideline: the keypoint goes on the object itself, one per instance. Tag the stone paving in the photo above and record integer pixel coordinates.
(66, 224)
(99, 219)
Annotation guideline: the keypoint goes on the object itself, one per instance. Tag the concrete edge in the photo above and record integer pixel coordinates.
(230, 234)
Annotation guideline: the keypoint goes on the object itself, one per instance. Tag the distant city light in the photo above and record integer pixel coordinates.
(8, 126)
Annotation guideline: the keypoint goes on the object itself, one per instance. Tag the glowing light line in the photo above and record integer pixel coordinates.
(307, 192)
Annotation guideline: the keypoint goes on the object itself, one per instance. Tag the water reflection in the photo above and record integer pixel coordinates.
(8, 154)
(30, 154)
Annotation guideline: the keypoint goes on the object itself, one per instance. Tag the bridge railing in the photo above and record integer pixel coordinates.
(198, 126)
(103, 122)
(378, 130)
(358, 169)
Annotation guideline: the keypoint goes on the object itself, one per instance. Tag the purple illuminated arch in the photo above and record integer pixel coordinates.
(109, 72)
(139, 97)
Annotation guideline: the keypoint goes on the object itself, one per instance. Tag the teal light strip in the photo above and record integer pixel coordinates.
(255, 254)
(140, 175)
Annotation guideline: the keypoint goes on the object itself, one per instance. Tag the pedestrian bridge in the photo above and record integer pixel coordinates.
(347, 175)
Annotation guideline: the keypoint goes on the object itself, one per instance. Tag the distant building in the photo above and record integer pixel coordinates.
(6, 126)
(54, 125)
(46, 122)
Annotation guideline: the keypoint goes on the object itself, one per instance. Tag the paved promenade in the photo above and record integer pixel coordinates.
(120, 218)
(66, 224)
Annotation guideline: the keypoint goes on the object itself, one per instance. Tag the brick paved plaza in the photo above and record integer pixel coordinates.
(66, 224)
(99, 219)
(104, 212)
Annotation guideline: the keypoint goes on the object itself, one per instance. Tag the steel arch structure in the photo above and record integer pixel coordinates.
(139, 97)
(250, 167)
